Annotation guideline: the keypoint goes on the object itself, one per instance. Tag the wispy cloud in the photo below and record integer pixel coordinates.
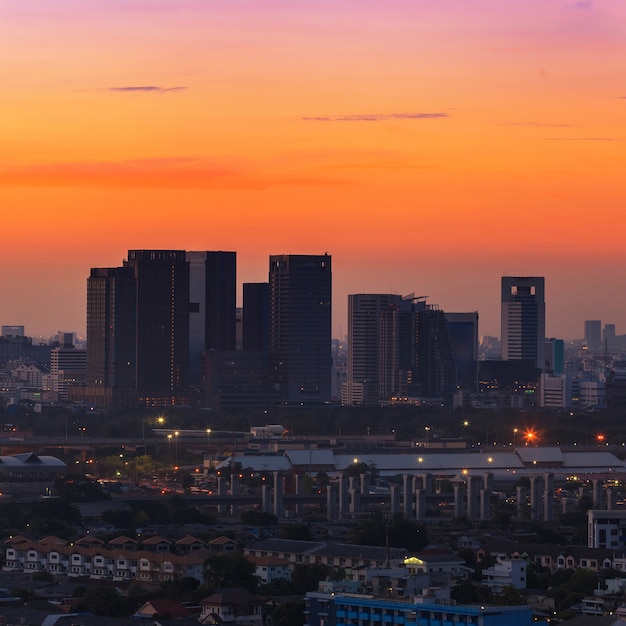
(537, 124)
(581, 5)
(582, 139)
(375, 117)
(146, 89)
(160, 173)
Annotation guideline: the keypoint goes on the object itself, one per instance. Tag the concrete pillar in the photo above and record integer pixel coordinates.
(266, 499)
(222, 488)
(365, 484)
(331, 502)
(536, 490)
(521, 500)
(355, 502)
(344, 495)
(473, 497)
(485, 496)
(279, 489)
(407, 496)
(610, 500)
(299, 480)
(394, 500)
(459, 488)
(548, 496)
(597, 493)
(420, 504)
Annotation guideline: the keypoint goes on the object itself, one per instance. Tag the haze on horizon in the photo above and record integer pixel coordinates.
(430, 147)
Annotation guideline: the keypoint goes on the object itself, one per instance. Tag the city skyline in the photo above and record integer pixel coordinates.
(429, 147)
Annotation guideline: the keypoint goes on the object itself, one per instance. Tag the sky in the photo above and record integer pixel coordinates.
(429, 146)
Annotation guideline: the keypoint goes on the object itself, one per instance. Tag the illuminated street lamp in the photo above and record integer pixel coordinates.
(176, 433)
(169, 445)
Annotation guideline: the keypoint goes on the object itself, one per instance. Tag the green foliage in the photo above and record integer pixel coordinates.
(258, 518)
(306, 577)
(399, 532)
(56, 508)
(229, 570)
(509, 596)
(79, 488)
(289, 614)
(103, 601)
(296, 531)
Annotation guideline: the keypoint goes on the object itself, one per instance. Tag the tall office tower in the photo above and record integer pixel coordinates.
(162, 325)
(256, 317)
(212, 292)
(111, 337)
(364, 316)
(68, 366)
(593, 334)
(608, 337)
(555, 356)
(416, 353)
(524, 319)
(12, 331)
(300, 326)
(463, 328)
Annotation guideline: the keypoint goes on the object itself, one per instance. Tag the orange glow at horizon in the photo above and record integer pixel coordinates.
(429, 147)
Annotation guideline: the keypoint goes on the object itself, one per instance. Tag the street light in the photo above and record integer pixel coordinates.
(176, 433)
(514, 437)
(169, 445)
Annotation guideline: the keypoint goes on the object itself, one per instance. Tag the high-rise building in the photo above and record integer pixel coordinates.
(364, 317)
(212, 291)
(593, 334)
(524, 319)
(162, 278)
(463, 328)
(111, 337)
(555, 356)
(300, 326)
(13, 331)
(68, 366)
(416, 353)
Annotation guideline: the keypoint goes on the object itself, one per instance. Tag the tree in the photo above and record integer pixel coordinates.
(296, 531)
(306, 577)
(229, 570)
(104, 601)
(289, 614)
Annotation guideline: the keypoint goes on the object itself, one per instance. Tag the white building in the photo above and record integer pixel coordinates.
(606, 529)
(506, 573)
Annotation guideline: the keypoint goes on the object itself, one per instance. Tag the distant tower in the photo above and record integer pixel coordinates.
(463, 328)
(162, 278)
(300, 326)
(111, 337)
(212, 292)
(416, 352)
(364, 316)
(593, 334)
(524, 319)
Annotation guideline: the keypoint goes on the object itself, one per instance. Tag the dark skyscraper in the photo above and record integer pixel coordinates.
(300, 326)
(415, 351)
(593, 334)
(364, 316)
(524, 319)
(463, 329)
(162, 278)
(213, 292)
(111, 337)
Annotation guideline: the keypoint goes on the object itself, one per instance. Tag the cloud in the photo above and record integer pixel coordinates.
(582, 139)
(581, 5)
(160, 173)
(375, 117)
(537, 124)
(146, 89)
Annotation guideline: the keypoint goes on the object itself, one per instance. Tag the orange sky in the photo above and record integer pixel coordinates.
(430, 146)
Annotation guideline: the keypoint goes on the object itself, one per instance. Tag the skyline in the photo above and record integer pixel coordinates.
(429, 147)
